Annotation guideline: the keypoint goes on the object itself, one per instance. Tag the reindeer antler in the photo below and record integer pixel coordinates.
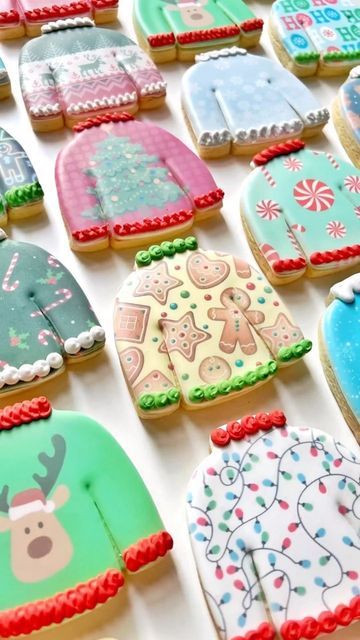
(53, 465)
(4, 499)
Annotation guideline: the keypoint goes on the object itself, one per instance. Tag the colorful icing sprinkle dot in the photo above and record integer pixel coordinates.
(185, 376)
(207, 297)
(250, 285)
(205, 326)
(163, 314)
(268, 289)
(239, 363)
(193, 306)
(185, 294)
(155, 339)
(173, 305)
(177, 267)
(259, 278)
(276, 303)
(261, 300)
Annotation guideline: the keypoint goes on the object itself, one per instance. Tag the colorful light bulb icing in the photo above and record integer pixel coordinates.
(273, 517)
(45, 317)
(122, 182)
(76, 70)
(346, 115)
(306, 218)
(197, 327)
(224, 95)
(57, 507)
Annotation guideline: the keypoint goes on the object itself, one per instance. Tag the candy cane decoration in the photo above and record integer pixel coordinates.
(5, 284)
(45, 334)
(67, 295)
(52, 262)
(268, 177)
(295, 243)
(332, 161)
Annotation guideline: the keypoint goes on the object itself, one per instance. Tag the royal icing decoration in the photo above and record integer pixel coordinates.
(196, 326)
(318, 36)
(224, 96)
(121, 180)
(49, 569)
(349, 113)
(178, 29)
(307, 215)
(44, 316)
(273, 518)
(20, 17)
(76, 69)
(5, 88)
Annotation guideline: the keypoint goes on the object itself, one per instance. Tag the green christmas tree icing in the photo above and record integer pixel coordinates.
(128, 180)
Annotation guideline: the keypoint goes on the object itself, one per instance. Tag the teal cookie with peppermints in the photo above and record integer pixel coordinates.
(45, 317)
(197, 327)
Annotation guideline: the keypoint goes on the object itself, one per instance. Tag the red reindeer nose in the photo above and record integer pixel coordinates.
(40, 547)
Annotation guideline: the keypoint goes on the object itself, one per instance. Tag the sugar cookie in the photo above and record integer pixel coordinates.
(21, 195)
(122, 183)
(346, 115)
(45, 317)
(26, 17)
(311, 38)
(224, 95)
(170, 29)
(67, 529)
(76, 70)
(5, 86)
(301, 212)
(198, 327)
(274, 516)
(339, 348)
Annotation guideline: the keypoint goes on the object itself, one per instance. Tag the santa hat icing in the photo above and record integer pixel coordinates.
(29, 501)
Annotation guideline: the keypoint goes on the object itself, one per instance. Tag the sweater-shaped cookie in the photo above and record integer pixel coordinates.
(25, 17)
(170, 29)
(122, 182)
(198, 327)
(74, 514)
(237, 103)
(5, 86)
(340, 349)
(346, 115)
(45, 317)
(301, 212)
(77, 70)
(21, 195)
(311, 37)
(274, 521)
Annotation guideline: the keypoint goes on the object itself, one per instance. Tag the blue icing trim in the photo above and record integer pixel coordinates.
(350, 102)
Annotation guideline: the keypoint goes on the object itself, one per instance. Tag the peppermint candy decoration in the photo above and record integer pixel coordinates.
(314, 195)
(352, 183)
(357, 211)
(268, 209)
(336, 229)
(292, 164)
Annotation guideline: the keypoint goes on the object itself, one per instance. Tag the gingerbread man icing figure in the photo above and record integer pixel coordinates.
(274, 520)
(196, 327)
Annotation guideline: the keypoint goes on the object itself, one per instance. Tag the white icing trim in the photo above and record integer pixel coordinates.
(153, 88)
(69, 23)
(85, 340)
(355, 72)
(221, 53)
(3, 74)
(92, 105)
(271, 131)
(45, 110)
(16, 513)
(214, 138)
(27, 372)
(3, 234)
(345, 289)
(313, 118)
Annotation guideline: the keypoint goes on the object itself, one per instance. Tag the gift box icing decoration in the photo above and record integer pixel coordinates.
(170, 29)
(224, 95)
(77, 70)
(273, 517)
(346, 115)
(197, 327)
(5, 86)
(122, 182)
(311, 37)
(306, 218)
(57, 507)
(339, 347)
(45, 318)
(25, 17)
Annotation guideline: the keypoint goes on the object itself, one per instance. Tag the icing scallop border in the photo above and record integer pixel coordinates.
(46, 110)
(91, 105)
(27, 372)
(69, 23)
(85, 340)
(220, 53)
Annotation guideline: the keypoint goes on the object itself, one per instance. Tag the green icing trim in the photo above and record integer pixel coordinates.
(340, 56)
(307, 58)
(149, 401)
(210, 392)
(18, 196)
(168, 249)
(295, 351)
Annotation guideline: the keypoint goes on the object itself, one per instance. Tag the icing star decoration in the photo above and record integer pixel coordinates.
(183, 335)
(156, 282)
(281, 334)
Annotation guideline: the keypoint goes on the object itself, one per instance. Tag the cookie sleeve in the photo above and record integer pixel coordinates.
(141, 70)
(297, 95)
(149, 16)
(38, 87)
(235, 10)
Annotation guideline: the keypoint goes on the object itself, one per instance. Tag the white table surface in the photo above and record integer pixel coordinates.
(166, 602)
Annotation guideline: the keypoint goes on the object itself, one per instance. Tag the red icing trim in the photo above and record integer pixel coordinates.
(326, 257)
(264, 632)
(104, 4)
(57, 11)
(282, 149)
(147, 550)
(161, 40)
(103, 119)
(92, 233)
(254, 24)
(327, 622)
(248, 425)
(189, 37)
(279, 266)
(24, 412)
(9, 17)
(35, 615)
(209, 199)
(153, 224)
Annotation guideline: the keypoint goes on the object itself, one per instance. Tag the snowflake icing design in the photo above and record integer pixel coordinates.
(336, 229)
(292, 164)
(352, 183)
(268, 209)
(314, 195)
